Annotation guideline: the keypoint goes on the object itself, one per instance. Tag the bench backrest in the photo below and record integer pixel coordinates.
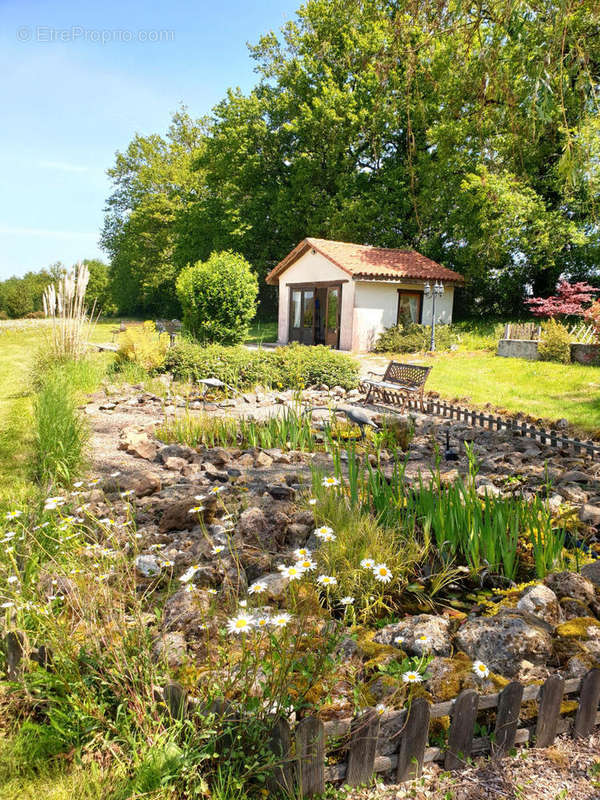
(407, 374)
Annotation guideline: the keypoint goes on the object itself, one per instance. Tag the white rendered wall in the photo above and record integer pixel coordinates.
(376, 308)
(312, 267)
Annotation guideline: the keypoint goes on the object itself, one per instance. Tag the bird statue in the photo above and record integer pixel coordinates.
(450, 454)
(354, 415)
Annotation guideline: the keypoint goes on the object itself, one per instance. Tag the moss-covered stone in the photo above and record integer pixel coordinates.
(578, 628)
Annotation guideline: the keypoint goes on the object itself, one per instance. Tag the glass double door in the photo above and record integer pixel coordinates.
(315, 315)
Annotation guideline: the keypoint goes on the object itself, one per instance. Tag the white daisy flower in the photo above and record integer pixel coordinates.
(258, 587)
(312, 501)
(382, 573)
(327, 580)
(240, 624)
(479, 668)
(114, 474)
(262, 621)
(189, 573)
(218, 549)
(199, 497)
(422, 640)
(325, 533)
(347, 601)
(243, 603)
(411, 677)
(306, 565)
(77, 484)
(12, 579)
(367, 563)
(8, 604)
(280, 620)
(293, 573)
(302, 552)
(380, 708)
(330, 481)
(398, 639)
(216, 490)
(196, 510)
(211, 591)
(13, 514)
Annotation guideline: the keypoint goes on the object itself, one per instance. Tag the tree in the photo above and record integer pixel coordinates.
(99, 289)
(568, 301)
(218, 297)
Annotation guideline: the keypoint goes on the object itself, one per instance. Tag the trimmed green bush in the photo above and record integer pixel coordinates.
(412, 338)
(288, 367)
(218, 298)
(555, 343)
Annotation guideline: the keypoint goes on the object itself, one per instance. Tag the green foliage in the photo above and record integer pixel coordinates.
(412, 338)
(218, 297)
(60, 433)
(99, 293)
(144, 346)
(290, 367)
(495, 173)
(555, 343)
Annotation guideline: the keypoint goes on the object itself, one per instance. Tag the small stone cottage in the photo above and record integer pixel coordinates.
(344, 295)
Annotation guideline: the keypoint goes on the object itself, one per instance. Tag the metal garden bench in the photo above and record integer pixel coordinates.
(398, 383)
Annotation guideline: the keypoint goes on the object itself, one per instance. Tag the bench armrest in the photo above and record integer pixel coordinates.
(377, 374)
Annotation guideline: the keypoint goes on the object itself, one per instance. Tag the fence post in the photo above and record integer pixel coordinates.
(282, 779)
(14, 655)
(551, 695)
(413, 741)
(364, 732)
(589, 695)
(460, 736)
(507, 718)
(310, 752)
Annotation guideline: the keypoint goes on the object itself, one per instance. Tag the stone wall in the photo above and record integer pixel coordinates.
(518, 348)
(585, 353)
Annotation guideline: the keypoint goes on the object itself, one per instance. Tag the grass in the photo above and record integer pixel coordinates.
(262, 332)
(537, 388)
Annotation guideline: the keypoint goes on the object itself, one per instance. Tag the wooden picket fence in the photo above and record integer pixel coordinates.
(396, 742)
(352, 750)
(529, 331)
(475, 418)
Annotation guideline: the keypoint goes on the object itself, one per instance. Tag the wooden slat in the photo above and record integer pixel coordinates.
(462, 726)
(413, 741)
(588, 704)
(282, 780)
(507, 718)
(550, 699)
(362, 747)
(175, 697)
(310, 752)
(13, 644)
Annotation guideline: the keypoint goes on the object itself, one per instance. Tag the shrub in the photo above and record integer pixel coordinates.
(218, 298)
(555, 343)
(144, 346)
(287, 367)
(309, 366)
(412, 338)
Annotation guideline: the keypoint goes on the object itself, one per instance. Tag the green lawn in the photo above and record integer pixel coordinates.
(262, 332)
(540, 389)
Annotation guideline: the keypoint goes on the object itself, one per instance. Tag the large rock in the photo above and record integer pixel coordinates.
(579, 637)
(186, 611)
(276, 586)
(540, 601)
(137, 443)
(171, 647)
(412, 630)
(504, 641)
(590, 514)
(176, 451)
(177, 517)
(147, 566)
(141, 482)
(571, 585)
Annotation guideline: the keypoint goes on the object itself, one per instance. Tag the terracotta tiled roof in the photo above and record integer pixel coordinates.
(370, 263)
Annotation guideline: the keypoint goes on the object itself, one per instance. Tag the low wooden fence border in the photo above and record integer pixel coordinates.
(480, 419)
(395, 742)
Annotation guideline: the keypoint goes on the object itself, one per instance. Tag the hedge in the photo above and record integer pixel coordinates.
(291, 367)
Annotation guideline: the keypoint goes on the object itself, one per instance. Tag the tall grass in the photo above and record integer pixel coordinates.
(64, 304)
(60, 432)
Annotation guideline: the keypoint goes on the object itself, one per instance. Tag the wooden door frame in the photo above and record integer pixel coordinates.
(313, 286)
(339, 314)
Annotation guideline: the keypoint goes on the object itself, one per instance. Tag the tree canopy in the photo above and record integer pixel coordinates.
(466, 130)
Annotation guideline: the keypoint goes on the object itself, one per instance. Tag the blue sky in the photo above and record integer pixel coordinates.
(69, 101)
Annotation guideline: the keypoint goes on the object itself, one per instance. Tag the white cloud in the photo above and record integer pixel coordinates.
(63, 166)
(10, 230)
